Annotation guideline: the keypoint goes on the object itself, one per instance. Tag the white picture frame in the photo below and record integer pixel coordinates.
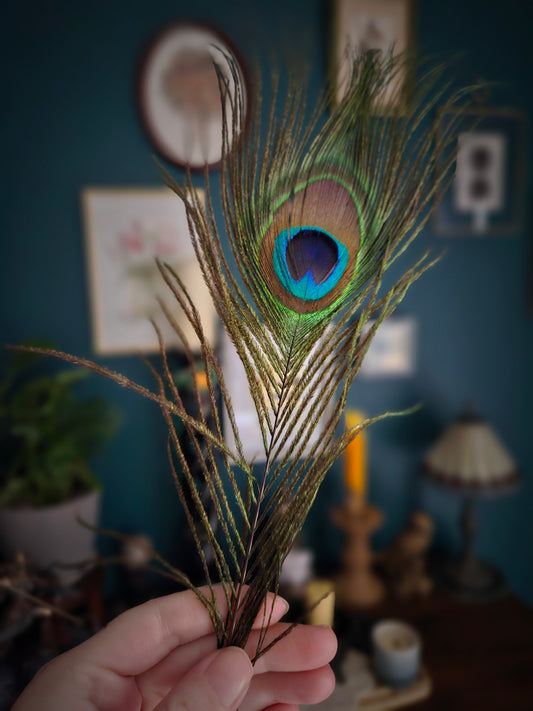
(125, 230)
(392, 352)
(245, 412)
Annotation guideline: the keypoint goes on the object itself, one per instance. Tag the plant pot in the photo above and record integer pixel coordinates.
(52, 535)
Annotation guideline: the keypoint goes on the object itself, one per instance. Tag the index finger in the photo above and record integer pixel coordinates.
(141, 637)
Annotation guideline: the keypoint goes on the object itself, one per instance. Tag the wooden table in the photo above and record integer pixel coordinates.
(479, 655)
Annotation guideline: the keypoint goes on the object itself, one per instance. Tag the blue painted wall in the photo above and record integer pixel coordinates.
(69, 121)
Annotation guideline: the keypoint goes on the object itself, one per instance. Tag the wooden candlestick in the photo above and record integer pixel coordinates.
(356, 585)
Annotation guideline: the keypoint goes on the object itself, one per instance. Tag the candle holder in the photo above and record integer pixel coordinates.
(356, 585)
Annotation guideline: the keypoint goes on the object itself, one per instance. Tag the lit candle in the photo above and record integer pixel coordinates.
(355, 456)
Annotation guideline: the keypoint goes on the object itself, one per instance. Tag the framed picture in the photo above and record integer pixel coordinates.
(360, 25)
(245, 412)
(486, 195)
(125, 230)
(392, 352)
(178, 92)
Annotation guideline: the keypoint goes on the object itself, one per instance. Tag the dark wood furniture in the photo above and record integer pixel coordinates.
(479, 655)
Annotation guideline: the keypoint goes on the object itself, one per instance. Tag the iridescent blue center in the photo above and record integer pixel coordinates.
(309, 261)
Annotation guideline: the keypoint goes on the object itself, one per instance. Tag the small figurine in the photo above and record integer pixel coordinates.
(404, 563)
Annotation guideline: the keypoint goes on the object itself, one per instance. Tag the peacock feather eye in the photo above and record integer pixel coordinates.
(309, 262)
(309, 250)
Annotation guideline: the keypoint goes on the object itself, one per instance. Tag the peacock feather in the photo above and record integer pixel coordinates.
(317, 205)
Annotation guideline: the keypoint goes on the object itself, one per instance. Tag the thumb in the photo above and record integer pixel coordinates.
(217, 683)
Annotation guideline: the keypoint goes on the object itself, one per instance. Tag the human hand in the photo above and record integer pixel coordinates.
(162, 656)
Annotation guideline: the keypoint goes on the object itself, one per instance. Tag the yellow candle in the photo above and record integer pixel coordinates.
(320, 601)
(355, 455)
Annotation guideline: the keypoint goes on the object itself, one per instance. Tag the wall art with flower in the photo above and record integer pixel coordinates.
(125, 231)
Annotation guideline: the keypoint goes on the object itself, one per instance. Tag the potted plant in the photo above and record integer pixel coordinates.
(48, 434)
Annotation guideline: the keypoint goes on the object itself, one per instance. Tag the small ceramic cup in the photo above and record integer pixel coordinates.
(395, 652)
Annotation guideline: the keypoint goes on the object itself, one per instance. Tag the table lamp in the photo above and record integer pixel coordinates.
(470, 457)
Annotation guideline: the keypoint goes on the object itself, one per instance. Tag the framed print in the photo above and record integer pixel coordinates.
(245, 413)
(392, 352)
(125, 230)
(178, 92)
(364, 25)
(486, 195)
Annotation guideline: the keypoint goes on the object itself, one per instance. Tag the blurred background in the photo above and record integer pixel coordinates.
(70, 121)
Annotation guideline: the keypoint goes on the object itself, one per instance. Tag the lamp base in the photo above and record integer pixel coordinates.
(471, 578)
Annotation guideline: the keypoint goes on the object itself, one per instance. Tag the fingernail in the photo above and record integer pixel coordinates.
(283, 605)
(229, 675)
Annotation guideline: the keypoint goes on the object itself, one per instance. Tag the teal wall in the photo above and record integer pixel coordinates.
(69, 121)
